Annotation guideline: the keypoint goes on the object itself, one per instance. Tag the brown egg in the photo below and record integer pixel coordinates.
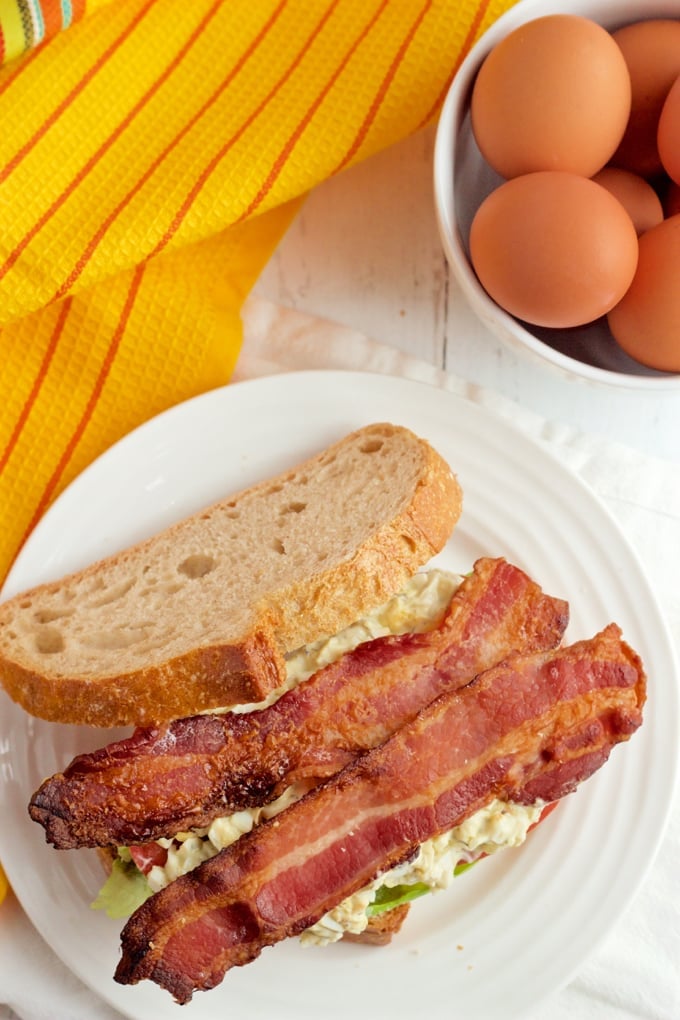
(646, 322)
(553, 95)
(635, 194)
(668, 135)
(651, 50)
(553, 248)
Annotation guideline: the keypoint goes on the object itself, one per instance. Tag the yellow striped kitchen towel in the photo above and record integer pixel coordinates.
(151, 156)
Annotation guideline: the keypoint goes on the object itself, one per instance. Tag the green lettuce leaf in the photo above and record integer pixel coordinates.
(125, 889)
(389, 897)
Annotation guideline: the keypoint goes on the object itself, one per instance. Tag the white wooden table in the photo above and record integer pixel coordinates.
(364, 251)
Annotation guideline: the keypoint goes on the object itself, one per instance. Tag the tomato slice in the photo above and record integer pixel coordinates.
(146, 855)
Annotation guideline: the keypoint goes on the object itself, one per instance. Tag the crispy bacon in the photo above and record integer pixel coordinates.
(182, 775)
(547, 719)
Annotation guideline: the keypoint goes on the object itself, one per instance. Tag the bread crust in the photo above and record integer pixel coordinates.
(245, 666)
(381, 928)
(201, 679)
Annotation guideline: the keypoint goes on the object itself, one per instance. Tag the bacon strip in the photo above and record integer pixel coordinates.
(549, 718)
(168, 779)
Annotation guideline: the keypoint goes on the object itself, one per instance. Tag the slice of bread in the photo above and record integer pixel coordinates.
(381, 927)
(201, 615)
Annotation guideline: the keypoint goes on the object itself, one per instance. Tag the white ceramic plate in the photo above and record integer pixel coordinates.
(510, 931)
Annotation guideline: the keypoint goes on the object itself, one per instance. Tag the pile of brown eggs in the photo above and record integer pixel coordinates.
(584, 125)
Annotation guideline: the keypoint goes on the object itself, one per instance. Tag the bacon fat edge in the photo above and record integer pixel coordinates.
(182, 775)
(532, 726)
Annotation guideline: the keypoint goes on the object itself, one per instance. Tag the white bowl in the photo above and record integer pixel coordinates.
(462, 179)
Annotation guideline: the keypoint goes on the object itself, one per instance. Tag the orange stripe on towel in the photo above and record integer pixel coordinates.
(105, 146)
(215, 161)
(464, 50)
(100, 233)
(37, 383)
(285, 153)
(112, 350)
(382, 91)
(101, 62)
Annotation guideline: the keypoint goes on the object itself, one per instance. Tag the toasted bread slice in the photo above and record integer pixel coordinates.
(381, 927)
(201, 615)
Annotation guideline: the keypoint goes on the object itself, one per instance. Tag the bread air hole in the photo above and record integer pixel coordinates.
(409, 543)
(50, 615)
(197, 565)
(49, 641)
(372, 446)
(110, 595)
(296, 507)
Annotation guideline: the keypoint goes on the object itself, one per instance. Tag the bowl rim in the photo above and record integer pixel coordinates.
(451, 117)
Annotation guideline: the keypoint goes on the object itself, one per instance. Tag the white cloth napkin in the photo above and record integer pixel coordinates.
(635, 974)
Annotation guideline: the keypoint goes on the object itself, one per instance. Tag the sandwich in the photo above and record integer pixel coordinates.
(303, 764)
(172, 795)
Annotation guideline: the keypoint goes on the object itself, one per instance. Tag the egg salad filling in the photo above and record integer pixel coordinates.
(420, 606)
